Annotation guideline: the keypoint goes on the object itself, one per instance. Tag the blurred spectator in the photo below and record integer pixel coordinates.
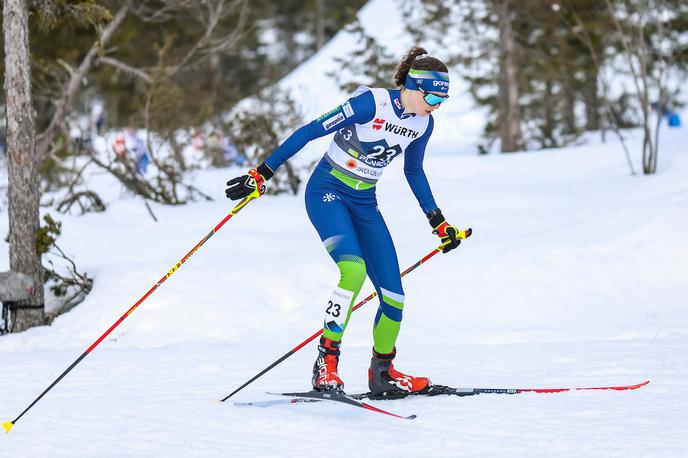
(197, 141)
(100, 123)
(120, 146)
(230, 153)
(97, 118)
(130, 144)
(672, 117)
(139, 151)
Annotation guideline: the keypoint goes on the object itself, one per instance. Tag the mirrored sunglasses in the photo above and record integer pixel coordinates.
(433, 99)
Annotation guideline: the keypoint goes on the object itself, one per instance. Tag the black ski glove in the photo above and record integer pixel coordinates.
(449, 235)
(244, 185)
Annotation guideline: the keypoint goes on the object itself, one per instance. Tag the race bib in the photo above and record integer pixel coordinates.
(337, 308)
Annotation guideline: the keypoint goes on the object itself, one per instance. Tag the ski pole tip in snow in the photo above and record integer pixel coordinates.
(7, 426)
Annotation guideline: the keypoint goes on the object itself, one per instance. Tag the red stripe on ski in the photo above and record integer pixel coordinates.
(559, 390)
(375, 409)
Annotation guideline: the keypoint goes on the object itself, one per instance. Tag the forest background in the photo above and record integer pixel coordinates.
(159, 77)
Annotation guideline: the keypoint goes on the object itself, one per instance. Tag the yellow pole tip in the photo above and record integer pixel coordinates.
(7, 426)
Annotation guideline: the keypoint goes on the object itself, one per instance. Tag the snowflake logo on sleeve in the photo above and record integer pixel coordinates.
(329, 197)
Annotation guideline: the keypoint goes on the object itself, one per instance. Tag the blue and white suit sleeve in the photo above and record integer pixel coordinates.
(413, 169)
(356, 110)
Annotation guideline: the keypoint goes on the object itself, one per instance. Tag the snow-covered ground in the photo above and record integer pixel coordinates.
(575, 276)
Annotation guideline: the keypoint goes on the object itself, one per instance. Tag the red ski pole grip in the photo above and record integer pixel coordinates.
(258, 178)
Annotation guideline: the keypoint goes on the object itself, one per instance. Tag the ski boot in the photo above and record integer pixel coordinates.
(325, 376)
(385, 381)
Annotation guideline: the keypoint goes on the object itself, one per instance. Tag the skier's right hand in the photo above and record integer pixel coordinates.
(244, 185)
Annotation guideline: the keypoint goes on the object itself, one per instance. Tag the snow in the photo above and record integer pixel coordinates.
(575, 276)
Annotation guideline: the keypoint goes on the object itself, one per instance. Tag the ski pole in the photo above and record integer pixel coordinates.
(257, 193)
(316, 334)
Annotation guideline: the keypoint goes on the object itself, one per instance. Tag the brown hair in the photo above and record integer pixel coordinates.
(419, 59)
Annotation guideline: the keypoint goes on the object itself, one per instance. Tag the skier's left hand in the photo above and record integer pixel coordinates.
(449, 235)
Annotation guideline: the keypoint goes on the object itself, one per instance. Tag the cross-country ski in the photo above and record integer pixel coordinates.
(431, 391)
(442, 390)
(340, 397)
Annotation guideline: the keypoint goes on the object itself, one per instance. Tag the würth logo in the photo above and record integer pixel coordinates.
(378, 123)
(405, 131)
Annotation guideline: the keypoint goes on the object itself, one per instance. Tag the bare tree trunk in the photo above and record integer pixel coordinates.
(23, 191)
(649, 147)
(510, 116)
(592, 102)
(319, 24)
(637, 52)
(569, 107)
(548, 140)
(608, 118)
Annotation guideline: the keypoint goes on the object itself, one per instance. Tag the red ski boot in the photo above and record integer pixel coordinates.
(383, 379)
(325, 376)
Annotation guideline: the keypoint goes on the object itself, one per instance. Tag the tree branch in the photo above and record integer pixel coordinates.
(126, 68)
(206, 43)
(587, 40)
(46, 138)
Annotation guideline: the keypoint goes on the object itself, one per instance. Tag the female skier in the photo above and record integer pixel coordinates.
(371, 128)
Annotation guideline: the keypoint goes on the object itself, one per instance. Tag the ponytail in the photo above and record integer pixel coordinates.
(417, 58)
(406, 63)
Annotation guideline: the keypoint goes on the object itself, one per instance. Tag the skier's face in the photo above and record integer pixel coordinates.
(418, 104)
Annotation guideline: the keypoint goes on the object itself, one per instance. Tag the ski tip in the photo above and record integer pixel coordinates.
(630, 387)
(7, 426)
(411, 417)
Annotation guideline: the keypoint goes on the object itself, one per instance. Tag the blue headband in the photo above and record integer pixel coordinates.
(429, 81)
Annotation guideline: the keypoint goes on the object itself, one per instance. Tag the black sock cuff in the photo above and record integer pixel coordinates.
(330, 347)
(385, 356)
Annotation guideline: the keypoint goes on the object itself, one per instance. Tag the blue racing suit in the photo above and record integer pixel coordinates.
(371, 129)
